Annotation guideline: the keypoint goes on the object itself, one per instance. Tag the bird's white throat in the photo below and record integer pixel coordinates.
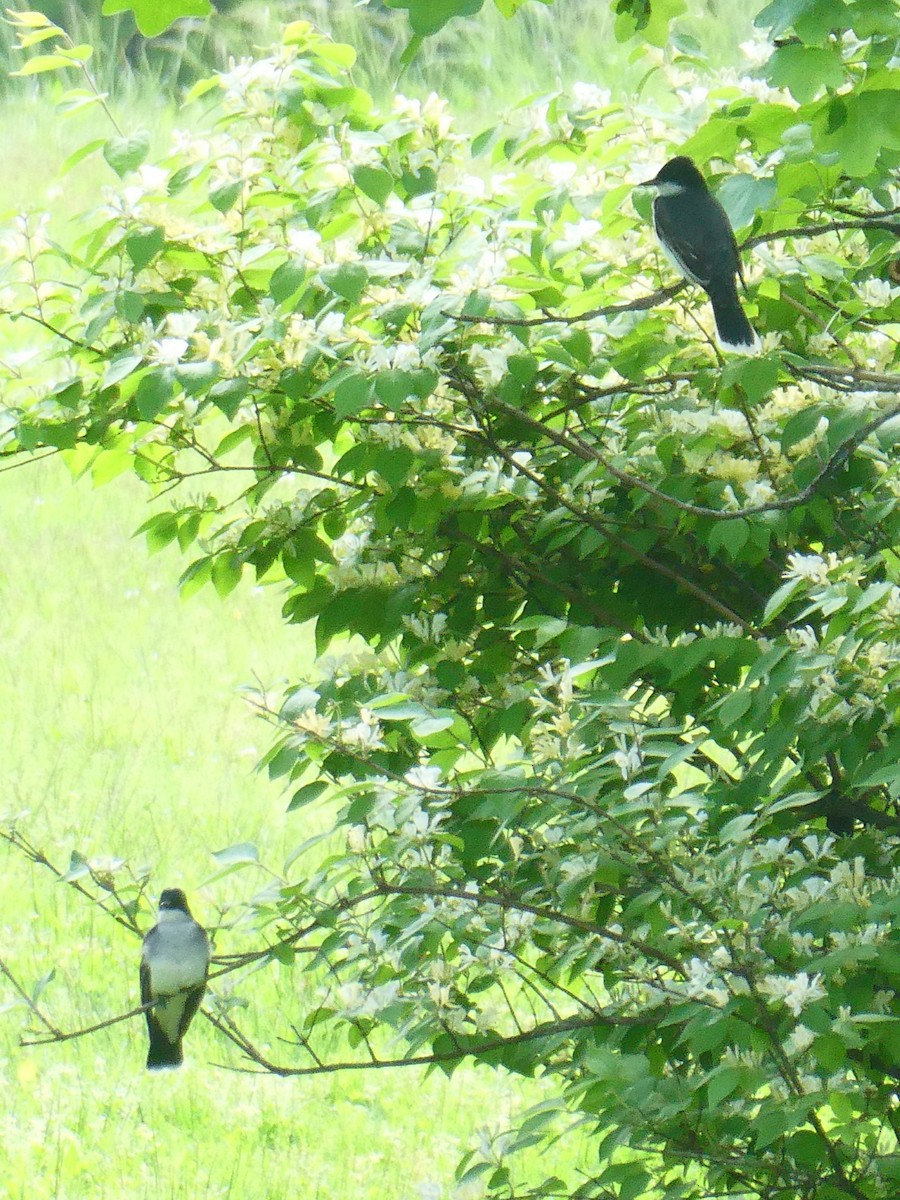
(669, 189)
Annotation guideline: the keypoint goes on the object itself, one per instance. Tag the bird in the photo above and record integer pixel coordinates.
(174, 969)
(698, 240)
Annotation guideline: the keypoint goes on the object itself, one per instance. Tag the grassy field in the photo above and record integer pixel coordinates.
(124, 735)
(481, 65)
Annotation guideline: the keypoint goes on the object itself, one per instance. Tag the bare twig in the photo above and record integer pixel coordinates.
(57, 1034)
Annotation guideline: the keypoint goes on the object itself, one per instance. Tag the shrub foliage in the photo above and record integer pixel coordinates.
(604, 723)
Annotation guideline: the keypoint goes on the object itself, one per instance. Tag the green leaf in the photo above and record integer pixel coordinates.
(348, 280)
(731, 536)
(805, 70)
(196, 576)
(130, 306)
(229, 394)
(648, 20)
(772, 1124)
(79, 867)
(286, 282)
(780, 15)
(307, 794)
(196, 378)
(483, 141)
(799, 426)
(155, 16)
(120, 368)
(428, 16)
(394, 464)
(224, 197)
(154, 392)
(81, 154)
(237, 855)
(160, 531)
(352, 395)
(227, 570)
(281, 761)
(794, 800)
(743, 196)
(872, 595)
(829, 1052)
(733, 707)
(757, 376)
(858, 127)
(780, 599)
(390, 709)
(807, 1148)
(875, 19)
(338, 53)
(394, 387)
(374, 182)
(126, 154)
(41, 63)
(142, 248)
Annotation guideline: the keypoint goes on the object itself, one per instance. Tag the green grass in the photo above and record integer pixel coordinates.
(124, 735)
(481, 64)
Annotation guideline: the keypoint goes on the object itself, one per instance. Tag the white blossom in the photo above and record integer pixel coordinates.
(168, 351)
(799, 1040)
(796, 991)
(425, 778)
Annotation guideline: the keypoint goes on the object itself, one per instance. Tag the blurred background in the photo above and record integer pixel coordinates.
(486, 58)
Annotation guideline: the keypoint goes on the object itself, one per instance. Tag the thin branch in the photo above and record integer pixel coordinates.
(18, 842)
(873, 221)
(517, 904)
(39, 320)
(608, 310)
(576, 445)
(548, 1030)
(57, 1034)
(67, 1036)
(825, 326)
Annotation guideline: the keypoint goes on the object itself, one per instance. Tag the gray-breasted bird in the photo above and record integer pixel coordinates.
(697, 238)
(174, 967)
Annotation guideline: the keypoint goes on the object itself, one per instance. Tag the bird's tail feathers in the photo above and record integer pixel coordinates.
(163, 1054)
(735, 331)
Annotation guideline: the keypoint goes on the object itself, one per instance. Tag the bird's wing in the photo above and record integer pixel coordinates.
(146, 986)
(147, 994)
(683, 243)
(691, 244)
(192, 999)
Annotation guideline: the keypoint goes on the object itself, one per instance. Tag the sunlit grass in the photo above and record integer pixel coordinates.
(481, 64)
(125, 735)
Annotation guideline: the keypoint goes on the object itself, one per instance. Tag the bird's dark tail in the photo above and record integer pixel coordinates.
(163, 1053)
(735, 331)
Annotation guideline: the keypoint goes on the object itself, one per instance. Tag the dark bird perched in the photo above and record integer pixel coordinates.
(174, 967)
(697, 239)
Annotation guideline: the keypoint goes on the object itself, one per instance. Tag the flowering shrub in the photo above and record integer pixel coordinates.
(605, 710)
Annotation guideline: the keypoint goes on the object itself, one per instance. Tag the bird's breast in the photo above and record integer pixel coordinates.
(178, 960)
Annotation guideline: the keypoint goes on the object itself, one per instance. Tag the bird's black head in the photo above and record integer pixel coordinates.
(174, 898)
(679, 173)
